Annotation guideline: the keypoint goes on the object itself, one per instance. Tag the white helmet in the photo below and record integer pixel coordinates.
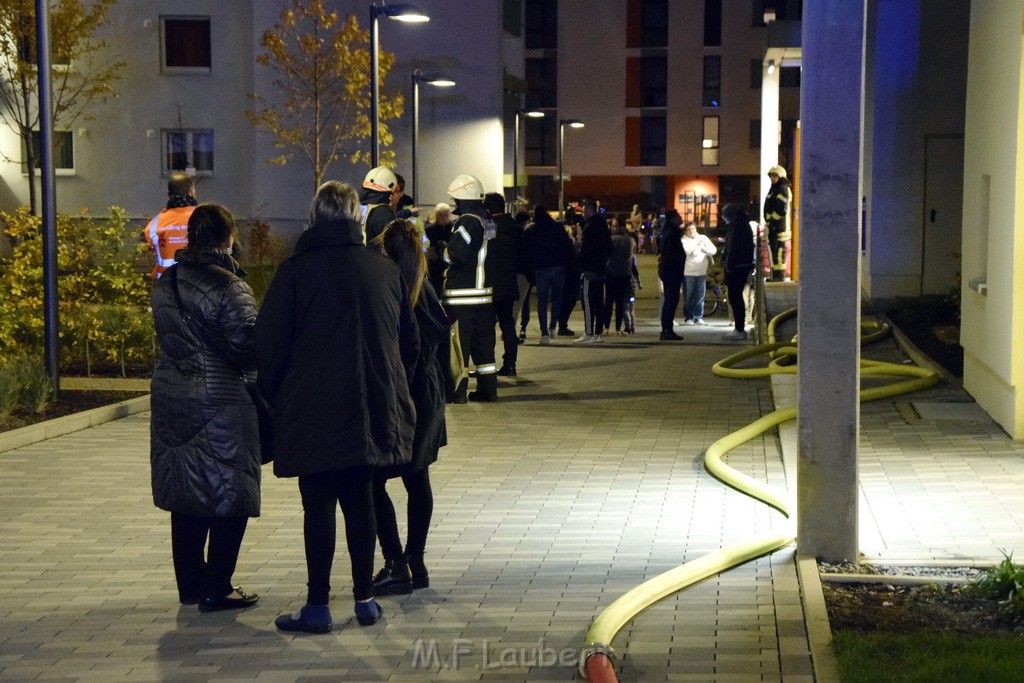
(777, 170)
(466, 186)
(381, 179)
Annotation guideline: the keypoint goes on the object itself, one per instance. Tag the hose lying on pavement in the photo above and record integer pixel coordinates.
(597, 660)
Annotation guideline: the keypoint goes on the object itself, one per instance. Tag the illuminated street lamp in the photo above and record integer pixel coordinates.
(572, 123)
(533, 114)
(417, 78)
(400, 11)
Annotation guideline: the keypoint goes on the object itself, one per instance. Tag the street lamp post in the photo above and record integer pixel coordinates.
(399, 11)
(417, 78)
(572, 123)
(533, 114)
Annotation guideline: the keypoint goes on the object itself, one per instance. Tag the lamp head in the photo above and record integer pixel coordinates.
(572, 123)
(771, 66)
(401, 11)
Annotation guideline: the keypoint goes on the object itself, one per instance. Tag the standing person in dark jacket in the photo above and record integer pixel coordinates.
(378, 188)
(405, 570)
(468, 297)
(550, 249)
(337, 346)
(501, 266)
(620, 265)
(204, 438)
(671, 267)
(595, 248)
(777, 219)
(738, 262)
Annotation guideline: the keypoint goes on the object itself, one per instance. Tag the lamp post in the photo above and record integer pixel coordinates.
(399, 11)
(533, 114)
(417, 78)
(572, 123)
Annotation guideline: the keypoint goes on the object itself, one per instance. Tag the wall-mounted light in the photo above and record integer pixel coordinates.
(769, 16)
(707, 143)
(771, 66)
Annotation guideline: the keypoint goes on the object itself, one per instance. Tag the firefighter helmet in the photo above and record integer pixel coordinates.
(466, 186)
(381, 179)
(777, 170)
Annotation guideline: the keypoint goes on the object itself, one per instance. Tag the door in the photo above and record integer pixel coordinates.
(943, 213)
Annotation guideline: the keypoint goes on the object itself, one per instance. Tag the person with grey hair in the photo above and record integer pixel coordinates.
(337, 344)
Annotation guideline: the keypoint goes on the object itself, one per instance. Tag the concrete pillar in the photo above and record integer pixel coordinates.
(829, 323)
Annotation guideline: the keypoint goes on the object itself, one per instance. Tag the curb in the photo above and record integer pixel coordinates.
(16, 438)
(819, 632)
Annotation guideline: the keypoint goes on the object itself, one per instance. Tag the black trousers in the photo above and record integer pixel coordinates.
(507, 324)
(476, 333)
(202, 572)
(670, 301)
(592, 296)
(419, 509)
(352, 488)
(570, 294)
(615, 289)
(735, 280)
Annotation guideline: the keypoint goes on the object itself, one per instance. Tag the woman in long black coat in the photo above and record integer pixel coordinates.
(204, 438)
(406, 570)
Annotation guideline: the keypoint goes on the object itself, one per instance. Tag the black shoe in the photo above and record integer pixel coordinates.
(565, 332)
(219, 604)
(522, 337)
(459, 395)
(420, 578)
(507, 370)
(480, 397)
(670, 336)
(393, 579)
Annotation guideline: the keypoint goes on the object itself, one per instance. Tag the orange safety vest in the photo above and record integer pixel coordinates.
(167, 233)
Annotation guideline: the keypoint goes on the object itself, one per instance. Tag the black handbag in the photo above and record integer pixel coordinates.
(264, 415)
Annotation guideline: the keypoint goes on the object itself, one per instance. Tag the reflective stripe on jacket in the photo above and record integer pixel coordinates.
(466, 282)
(167, 233)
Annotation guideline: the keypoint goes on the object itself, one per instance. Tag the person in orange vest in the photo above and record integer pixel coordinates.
(168, 231)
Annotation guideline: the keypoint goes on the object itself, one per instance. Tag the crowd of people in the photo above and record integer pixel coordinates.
(355, 351)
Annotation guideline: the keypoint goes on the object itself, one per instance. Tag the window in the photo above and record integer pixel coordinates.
(652, 141)
(712, 23)
(755, 133)
(63, 153)
(709, 145)
(185, 43)
(653, 81)
(539, 141)
(188, 149)
(789, 77)
(654, 23)
(27, 53)
(542, 82)
(541, 25)
(712, 80)
(512, 17)
(756, 73)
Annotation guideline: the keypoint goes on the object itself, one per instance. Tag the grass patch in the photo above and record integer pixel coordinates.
(881, 657)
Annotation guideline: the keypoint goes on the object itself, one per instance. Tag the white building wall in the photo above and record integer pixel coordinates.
(117, 160)
(991, 330)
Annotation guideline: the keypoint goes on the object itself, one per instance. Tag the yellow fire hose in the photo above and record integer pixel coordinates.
(596, 662)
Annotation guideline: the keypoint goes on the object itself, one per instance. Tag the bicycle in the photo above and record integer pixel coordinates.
(714, 292)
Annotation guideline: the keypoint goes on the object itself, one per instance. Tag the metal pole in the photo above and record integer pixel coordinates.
(374, 89)
(561, 176)
(415, 124)
(49, 205)
(515, 164)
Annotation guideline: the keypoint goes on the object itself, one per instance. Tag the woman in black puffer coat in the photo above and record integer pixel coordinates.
(405, 570)
(204, 446)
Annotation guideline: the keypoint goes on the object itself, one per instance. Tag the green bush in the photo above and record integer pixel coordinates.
(24, 386)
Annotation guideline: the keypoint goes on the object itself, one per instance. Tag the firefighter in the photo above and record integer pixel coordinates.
(168, 231)
(777, 219)
(378, 185)
(467, 295)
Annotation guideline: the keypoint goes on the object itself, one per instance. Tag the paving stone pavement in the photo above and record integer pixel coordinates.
(583, 481)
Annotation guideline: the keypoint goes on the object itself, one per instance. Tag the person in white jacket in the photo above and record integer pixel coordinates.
(699, 255)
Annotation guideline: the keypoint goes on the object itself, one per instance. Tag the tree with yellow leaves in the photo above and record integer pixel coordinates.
(83, 71)
(320, 105)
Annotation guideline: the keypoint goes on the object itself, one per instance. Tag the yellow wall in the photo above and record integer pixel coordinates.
(992, 331)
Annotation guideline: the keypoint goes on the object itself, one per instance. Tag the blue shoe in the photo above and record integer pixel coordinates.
(309, 619)
(368, 613)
